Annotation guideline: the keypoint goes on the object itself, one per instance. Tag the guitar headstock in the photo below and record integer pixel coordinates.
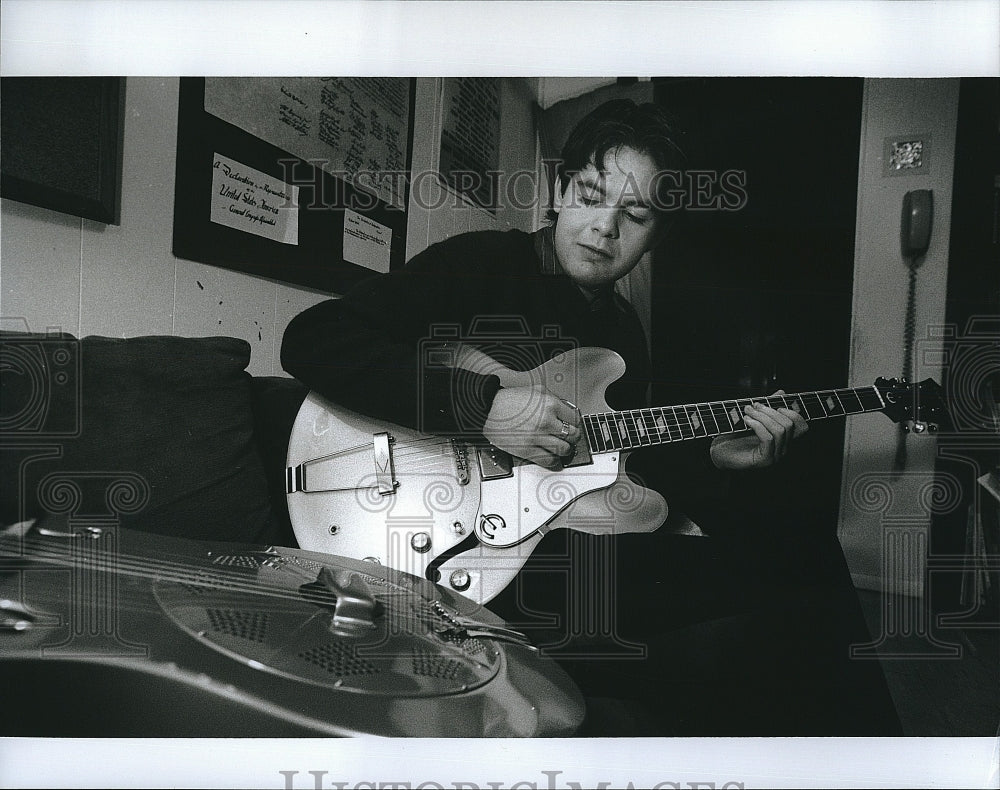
(920, 406)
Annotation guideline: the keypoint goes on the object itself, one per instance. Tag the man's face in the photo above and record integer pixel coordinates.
(606, 222)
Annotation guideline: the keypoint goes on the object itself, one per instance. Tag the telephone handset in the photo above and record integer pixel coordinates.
(917, 219)
(914, 239)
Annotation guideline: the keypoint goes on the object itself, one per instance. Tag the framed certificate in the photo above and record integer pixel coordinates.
(303, 180)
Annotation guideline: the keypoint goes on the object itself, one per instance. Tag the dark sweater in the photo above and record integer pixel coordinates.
(372, 351)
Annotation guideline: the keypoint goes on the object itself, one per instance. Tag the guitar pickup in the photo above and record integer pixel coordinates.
(494, 464)
(581, 454)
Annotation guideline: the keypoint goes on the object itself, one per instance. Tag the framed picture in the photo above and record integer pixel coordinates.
(304, 180)
(469, 147)
(62, 144)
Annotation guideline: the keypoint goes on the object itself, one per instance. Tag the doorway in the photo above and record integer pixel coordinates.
(753, 293)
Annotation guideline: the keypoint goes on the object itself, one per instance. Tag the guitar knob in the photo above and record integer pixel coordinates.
(460, 579)
(420, 542)
(919, 427)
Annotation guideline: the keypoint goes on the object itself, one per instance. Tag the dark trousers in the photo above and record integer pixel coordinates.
(672, 635)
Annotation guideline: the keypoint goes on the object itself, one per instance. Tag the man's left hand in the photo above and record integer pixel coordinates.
(772, 431)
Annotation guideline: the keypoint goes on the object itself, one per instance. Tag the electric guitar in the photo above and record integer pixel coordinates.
(113, 632)
(468, 516)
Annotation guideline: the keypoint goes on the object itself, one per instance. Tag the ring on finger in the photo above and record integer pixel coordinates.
(565, 430)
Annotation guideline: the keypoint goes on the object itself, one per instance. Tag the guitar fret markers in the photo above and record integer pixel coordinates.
(626, 430)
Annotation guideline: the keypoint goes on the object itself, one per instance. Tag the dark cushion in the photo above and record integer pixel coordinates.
(155, 433)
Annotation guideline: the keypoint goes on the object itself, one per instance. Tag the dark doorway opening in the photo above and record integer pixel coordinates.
(753, 293)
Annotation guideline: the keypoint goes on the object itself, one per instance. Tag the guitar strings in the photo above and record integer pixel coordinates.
(180, 572)
(676, 419)
(401, 606)
(157, 570)
(671, 423)
(614, 431)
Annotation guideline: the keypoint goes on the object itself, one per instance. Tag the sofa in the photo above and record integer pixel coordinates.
(172, 435)
(160, 433)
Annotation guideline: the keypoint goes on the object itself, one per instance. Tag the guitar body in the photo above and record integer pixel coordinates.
(455, 508)
(112, 632)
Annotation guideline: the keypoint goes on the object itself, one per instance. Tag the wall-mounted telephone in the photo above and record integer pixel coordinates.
(917, 219)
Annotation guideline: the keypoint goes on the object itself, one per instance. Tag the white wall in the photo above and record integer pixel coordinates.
(88, 278)
(875, 502)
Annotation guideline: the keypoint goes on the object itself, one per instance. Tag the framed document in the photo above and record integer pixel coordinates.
(299, 179)
(469, 149)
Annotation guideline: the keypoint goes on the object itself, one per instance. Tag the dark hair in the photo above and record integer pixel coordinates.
(645, 128)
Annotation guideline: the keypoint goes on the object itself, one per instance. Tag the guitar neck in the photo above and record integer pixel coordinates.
(629, 430)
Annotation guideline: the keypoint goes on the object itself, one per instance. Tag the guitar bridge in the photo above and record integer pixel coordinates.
(327, 473)
(460, 452)
(385, 474)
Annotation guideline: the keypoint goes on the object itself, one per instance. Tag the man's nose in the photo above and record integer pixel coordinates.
(606, 222)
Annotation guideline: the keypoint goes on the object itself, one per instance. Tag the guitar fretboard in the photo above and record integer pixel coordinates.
(629, 430)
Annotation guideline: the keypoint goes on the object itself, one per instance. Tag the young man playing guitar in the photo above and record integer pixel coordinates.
(369, 352)
(362, 350)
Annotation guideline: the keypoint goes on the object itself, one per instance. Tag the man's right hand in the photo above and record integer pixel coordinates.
(533, 424)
